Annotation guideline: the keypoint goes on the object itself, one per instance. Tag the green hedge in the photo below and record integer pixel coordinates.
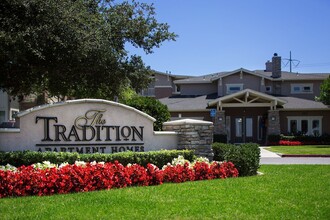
(246, 157)
(159, 158)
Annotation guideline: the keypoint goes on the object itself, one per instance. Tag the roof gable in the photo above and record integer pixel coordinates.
(247, 98)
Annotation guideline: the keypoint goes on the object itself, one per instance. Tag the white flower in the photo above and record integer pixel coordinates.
(80, 163)
(8, 167)
(63, 164)
(36, 165)
(200, 159)
(44, 165)
(180, 160)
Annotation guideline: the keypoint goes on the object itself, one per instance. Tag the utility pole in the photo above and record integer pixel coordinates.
(291, 61)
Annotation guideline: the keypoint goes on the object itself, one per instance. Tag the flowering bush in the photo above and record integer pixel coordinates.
(47, 179)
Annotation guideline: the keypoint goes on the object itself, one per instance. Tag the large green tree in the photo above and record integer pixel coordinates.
(76, 48)
(325, 92)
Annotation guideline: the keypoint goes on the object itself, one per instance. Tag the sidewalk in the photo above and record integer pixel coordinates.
(267, 157)
(267, 154)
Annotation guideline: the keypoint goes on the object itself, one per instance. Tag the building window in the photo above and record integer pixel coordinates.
(305, 125)
(239, 127)
(232, 88)
(13, 113)
(301, 88)
(148, 92)
(2, 116)
(260, 127)
(177, 89)
(293, 126)
(268, 89)
(249, 127)
(316, 127)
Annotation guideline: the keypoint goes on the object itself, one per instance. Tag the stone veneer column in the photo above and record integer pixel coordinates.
(274, 122)
(194, 135)
(220, 123)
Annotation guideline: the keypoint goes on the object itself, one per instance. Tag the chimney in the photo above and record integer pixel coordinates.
(276, 66)
(268, 66)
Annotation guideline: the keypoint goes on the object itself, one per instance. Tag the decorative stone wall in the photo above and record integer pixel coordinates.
(193, 135)
(274, 122)
(220, 122)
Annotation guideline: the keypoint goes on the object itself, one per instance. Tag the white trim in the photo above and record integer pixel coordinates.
(270, 98)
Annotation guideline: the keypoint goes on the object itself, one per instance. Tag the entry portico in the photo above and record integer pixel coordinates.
(247, 116)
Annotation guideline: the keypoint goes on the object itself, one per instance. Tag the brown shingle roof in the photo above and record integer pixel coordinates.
(303, 104)
(180, 103)
(285, 76)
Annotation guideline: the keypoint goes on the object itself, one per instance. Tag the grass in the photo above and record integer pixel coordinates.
(283, 192)
(302, 150)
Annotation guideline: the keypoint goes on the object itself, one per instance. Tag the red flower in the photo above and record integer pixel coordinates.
(72, 178)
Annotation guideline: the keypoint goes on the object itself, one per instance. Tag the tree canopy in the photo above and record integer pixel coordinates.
(325, 92)
(76, 48)
(152, 107)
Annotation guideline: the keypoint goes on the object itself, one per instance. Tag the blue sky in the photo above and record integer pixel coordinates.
(223, 35)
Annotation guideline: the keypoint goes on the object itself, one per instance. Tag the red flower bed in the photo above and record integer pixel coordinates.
(27, 180)
(290, 143)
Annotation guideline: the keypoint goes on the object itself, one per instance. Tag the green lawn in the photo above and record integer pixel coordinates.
(301, 150)
(283, 192)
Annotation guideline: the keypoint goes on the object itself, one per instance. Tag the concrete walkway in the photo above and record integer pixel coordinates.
(264, 153)
(267, 157)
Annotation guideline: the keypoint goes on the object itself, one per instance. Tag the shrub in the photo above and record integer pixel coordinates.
(152, 107)
(246, 157)
(159, 158)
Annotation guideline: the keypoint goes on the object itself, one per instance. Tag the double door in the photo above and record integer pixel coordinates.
(243, 129)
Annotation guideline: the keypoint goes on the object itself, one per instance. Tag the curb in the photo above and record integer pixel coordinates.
(308, 155)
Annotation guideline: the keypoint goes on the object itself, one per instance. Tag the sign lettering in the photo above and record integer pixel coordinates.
(89, 133)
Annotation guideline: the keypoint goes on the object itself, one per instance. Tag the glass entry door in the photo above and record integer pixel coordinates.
(243, 129)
